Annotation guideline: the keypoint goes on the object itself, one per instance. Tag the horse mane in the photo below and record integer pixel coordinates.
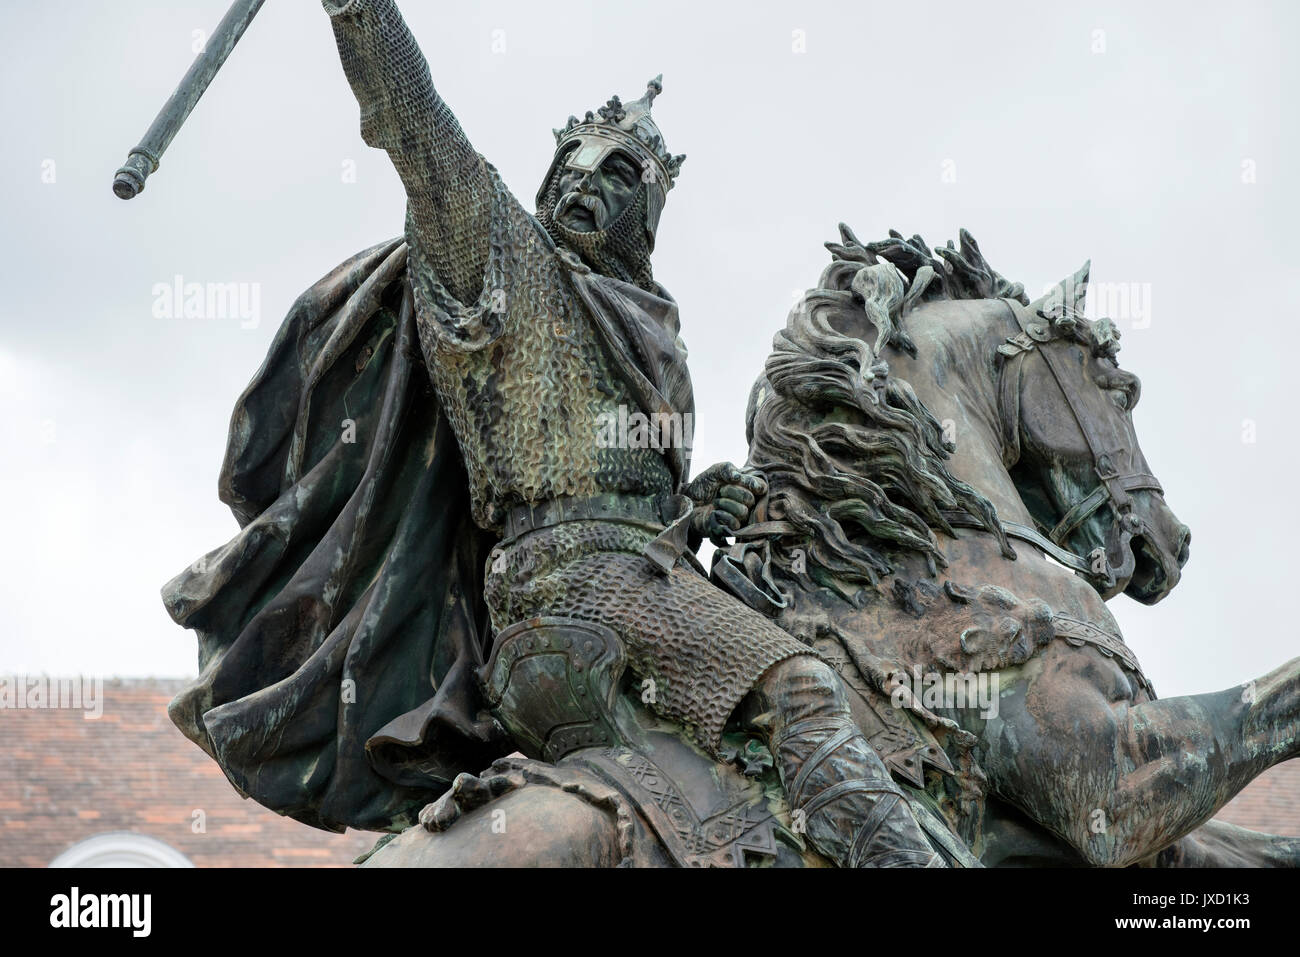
(959, 273)
(854, 460)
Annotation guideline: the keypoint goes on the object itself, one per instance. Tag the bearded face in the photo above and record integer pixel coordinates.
(590, 200)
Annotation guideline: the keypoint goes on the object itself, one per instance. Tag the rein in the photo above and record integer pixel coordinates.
(1025, 534)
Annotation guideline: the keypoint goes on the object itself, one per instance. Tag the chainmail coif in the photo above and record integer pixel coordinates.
(622, 249)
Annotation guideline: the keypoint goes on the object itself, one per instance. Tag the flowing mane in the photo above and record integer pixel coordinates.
(959, 273)
(854, 460)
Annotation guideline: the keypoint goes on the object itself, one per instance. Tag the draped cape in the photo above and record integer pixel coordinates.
(340, 631)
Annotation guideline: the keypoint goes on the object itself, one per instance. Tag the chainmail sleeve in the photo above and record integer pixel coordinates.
(450, 188)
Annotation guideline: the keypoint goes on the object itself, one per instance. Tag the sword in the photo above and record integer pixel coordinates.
(144, 159)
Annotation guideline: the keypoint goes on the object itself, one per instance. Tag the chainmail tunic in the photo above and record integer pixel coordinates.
(517, 365)
(702, 649)
(520, 371)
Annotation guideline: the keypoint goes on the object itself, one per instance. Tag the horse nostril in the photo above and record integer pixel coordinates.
(1185, 548)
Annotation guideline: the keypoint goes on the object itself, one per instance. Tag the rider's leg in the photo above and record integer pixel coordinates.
(851, 809)
(703, 654)
(1120, 780)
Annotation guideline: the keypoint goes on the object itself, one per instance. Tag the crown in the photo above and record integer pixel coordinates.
(630, 125)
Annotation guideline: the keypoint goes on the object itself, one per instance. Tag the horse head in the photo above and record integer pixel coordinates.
(1062, 404)
(1071, 448)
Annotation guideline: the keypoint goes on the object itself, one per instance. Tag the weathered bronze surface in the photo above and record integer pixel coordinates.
(471, 614)
(912, 507)
(145, 158)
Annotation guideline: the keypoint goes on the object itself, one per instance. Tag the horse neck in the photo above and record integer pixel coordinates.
(955, 375)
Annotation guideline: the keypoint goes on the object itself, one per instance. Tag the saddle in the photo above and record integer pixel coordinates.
(562, 689)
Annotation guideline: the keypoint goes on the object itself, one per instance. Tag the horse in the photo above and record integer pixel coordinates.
(955, 491)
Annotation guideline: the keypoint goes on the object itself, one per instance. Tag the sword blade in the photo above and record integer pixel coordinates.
(144, 159)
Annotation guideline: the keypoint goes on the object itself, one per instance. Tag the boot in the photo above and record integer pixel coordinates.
(841, 795)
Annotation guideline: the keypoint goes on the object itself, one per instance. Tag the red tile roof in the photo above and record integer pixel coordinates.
(64, 778)
(1270, 803)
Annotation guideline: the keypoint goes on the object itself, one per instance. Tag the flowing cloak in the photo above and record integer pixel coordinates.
(341, 630)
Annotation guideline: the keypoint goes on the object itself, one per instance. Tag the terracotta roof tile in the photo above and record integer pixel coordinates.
(64, 779)
(1271, 802)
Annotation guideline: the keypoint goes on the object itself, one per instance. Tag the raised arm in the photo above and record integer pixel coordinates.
(448, 184)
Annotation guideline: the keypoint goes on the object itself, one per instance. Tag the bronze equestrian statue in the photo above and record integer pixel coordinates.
(468, 533)
(955, 488)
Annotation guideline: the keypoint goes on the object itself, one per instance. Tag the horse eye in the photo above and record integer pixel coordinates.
(1124, 390)
(1124, 394)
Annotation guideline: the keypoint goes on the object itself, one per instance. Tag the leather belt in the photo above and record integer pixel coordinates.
(638, 509)
(669, 515)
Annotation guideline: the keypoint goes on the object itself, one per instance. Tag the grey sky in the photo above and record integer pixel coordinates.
(1153, 138)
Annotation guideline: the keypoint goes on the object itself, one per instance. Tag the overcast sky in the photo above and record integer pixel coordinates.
(1152, 137)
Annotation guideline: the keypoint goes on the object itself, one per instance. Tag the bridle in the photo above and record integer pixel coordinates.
(1103, 567)
(1113, 488)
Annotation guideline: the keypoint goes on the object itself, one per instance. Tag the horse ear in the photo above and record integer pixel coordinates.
(1066, 298)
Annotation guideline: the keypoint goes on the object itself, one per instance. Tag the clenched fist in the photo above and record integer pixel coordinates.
(724, 495)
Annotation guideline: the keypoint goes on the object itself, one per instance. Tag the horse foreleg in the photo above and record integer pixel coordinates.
(1120, 780)
(1220, 844)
